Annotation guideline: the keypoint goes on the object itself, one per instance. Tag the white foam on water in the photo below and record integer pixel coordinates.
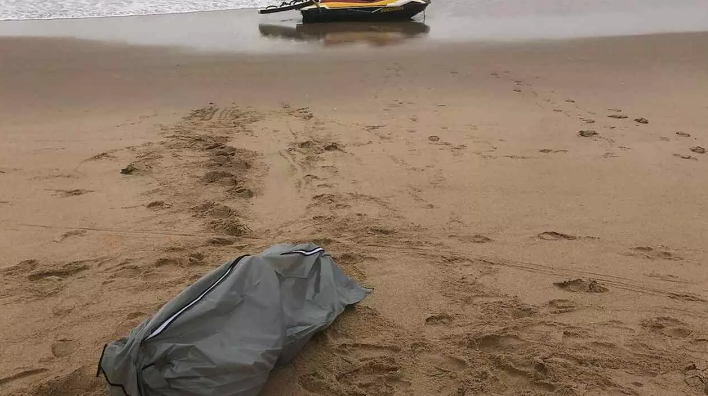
(56, 9)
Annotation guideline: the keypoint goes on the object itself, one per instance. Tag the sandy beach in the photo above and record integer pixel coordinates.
(531, 216)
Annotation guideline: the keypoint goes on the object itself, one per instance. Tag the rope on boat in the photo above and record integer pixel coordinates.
(286, 3)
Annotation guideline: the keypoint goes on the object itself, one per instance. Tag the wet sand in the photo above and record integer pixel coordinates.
(522, 232)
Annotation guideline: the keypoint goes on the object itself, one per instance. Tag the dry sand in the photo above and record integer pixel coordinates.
(509, 254)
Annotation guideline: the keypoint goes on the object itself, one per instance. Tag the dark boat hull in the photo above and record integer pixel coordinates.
(374, 13)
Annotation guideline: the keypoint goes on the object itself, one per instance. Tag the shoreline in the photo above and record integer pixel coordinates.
(508, 252)
(237, 31)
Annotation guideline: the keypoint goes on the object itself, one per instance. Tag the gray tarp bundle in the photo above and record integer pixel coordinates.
(224, 334)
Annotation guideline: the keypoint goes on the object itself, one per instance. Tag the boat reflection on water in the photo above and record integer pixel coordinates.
(331, 34)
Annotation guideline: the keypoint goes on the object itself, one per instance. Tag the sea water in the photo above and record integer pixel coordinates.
(236, 25)
(53, 9)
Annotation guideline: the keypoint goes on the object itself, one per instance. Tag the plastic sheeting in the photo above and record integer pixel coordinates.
(226, 332)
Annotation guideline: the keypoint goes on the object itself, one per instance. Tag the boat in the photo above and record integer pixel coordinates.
(315, 11)
(342, 33)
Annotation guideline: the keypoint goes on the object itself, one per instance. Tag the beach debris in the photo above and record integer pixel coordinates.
(698, 150)
(434, 138)
(129, 170)
(686, 157)
(641, 120)
(618, 116)
(683, 134)
(581, 285)
(556, 236)
(587, 133)
(285, 295)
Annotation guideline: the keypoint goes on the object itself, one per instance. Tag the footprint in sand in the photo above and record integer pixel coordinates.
(366, 370)
(685, 297)
(587, 133)
(555, 236)
(158, 205)
(64, 347)
(64, 271)
(641, 120)
(696, 378)
(220, 176)
(698, 150)
(81, 381)
(170, 261)
(618, 116)
(683, 134)
(559, 306)
(20, 375)
(496, 341)
(667, 326)
(130, 169)
(686, 157)
(581, 286)
(219, 241)
(446, 366)
(438, 319)
(477, 238)
(101, 156)
(72, 193)
(653, 254)
(69, 234)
